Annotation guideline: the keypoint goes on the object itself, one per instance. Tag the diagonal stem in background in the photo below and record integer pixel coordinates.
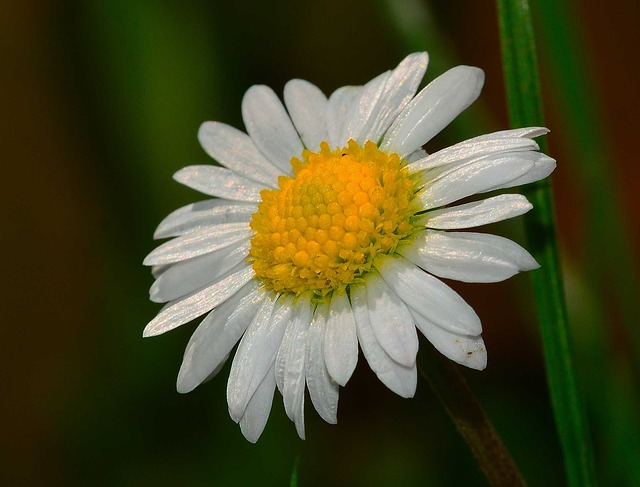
(470, 419)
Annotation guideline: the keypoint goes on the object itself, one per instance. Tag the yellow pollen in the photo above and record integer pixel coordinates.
(323, 228)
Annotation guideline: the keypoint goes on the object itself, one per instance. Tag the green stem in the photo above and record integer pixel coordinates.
(470, 420)
(525, 106)
(610, 257)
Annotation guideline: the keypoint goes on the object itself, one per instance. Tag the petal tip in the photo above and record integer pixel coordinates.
(472, 72)
(150, 331)
(235, 416)
(537, 132)
(159, 233)
(421, 57)
(249, 434)
(149, 260)
(182, 175)
(185, 382)
(530, 266)
(476, 358)
(183, 388)
(206, 127)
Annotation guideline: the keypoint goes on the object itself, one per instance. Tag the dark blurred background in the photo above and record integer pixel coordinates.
(101, 102)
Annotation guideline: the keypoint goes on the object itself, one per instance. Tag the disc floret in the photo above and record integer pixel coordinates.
(324, 227)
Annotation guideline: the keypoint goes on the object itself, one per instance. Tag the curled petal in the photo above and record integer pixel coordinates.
(399, 378)
(399, 88)
(193, 274)
(433, 108)
(256, 353)
(323, 390)
(204, 214)
(197, 243)
(518, 140)
(429, 296)
(391, 322)
(477, 176)
(466, 350)
(218, 333)
(177, 313)
(257, 412)
(468, 256)
(220, 182)
(290, 362)
(477, 213)
(340, 339)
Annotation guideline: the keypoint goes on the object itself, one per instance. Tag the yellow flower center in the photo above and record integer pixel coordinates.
(323, 228)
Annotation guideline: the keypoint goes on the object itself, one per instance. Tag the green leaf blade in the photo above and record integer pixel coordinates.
(525, 109)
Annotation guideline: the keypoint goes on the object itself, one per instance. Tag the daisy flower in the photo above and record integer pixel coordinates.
(327, 232)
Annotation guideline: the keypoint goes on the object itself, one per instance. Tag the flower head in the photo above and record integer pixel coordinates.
(327, 229)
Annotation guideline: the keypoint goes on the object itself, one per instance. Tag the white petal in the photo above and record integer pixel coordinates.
(256, 353)
(339, 105)
(204, 214)
(218, 333)
(364, 108)
(198, 243)
(157, 270)
(179, 312)
(282, 357)
(484, 145)
(288, 354)
(543, 167)
(220, 182)
(322, 388)
(400, 87)
(511, 250)
(236, 151)
(270, 127)
(433, 108)
(307, 106)
(248, 358)
(416, 155)
(188, 276)
(391, 321)
(290, 362)
(299, 417)
(463, 349)
(477, 176)
(429, 296)
(468, 257)
(400, 379)
(340, 339)
(526, 132)
(477, 213)
(257, 412)
(215, 371)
